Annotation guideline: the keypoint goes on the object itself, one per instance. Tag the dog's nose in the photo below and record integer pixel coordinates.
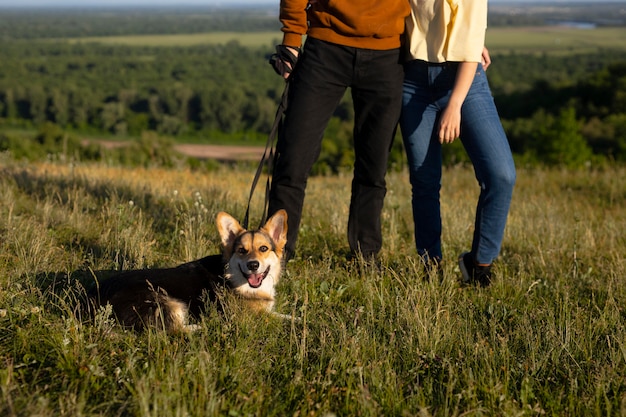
(253, 265)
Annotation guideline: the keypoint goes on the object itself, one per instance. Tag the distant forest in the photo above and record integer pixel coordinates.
(557, 109)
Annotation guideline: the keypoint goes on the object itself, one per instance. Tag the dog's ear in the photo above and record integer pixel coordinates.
(228, 228)
(276, 226)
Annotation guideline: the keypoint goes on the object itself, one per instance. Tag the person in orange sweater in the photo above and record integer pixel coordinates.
(352, 45)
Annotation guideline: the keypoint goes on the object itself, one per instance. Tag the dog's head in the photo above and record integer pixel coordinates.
(253, 257)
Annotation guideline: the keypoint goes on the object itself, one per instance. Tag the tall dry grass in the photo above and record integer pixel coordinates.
(547, 338)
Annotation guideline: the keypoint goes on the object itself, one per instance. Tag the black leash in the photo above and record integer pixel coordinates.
(283, 62)
(268, 159)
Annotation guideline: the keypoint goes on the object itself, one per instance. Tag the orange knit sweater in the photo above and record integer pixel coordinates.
(369, 24)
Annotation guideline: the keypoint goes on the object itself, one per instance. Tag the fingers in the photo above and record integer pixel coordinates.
(449, 129)
(288, 65)
(284, 60)
(448, 135)
(284, 69)
(485, 59)
(294, 51)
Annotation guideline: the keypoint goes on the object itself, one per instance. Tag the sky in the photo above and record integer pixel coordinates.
(64, 3)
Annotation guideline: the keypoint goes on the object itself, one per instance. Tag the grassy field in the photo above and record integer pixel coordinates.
(520, 40)
(554, 39)
(248, 39)
(547, 338)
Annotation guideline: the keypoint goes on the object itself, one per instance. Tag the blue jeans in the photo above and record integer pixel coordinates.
(323, 74)
(427, 89)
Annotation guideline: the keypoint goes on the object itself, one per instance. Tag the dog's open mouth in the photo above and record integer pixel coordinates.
(255, 279)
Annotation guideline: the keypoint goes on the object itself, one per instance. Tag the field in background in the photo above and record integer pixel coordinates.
(516, 39)
(548, 338)
(247, 39)
(554, 39)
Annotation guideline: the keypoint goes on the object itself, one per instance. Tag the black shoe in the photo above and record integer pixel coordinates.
(472, 273)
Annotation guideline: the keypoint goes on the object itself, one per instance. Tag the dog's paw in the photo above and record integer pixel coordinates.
(287, 317)
(191, 328)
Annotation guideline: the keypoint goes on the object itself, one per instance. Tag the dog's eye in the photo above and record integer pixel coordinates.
(264, 248)
(242, 251)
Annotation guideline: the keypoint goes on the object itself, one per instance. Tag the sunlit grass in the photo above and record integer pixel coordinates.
(547, 338)
(554, 39)
(247, 39)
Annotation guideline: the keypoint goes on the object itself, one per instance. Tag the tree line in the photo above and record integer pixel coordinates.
(126, 90)
(220, 90)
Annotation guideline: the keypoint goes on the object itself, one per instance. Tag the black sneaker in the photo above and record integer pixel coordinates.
(472, 273)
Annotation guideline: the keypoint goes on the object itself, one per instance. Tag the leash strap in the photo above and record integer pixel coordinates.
(267, 158)
(284, 55)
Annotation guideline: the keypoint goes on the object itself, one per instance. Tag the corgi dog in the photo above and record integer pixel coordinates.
(249, 266)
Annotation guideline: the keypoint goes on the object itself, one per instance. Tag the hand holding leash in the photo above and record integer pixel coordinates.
(284, 60)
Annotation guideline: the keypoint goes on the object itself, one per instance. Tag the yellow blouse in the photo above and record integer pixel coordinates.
(446, 30)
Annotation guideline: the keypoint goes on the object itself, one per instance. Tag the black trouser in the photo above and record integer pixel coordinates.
(320, 79)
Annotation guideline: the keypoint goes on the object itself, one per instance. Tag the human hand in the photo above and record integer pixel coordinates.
(485, 59)
(284, 60)
(449, 125)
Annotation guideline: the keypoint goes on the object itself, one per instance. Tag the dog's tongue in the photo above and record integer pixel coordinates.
(255, 280)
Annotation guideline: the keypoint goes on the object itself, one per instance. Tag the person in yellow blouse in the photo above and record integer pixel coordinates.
(447, 97)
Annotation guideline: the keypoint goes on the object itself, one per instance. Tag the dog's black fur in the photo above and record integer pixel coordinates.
(249, 266)
(137, 295)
